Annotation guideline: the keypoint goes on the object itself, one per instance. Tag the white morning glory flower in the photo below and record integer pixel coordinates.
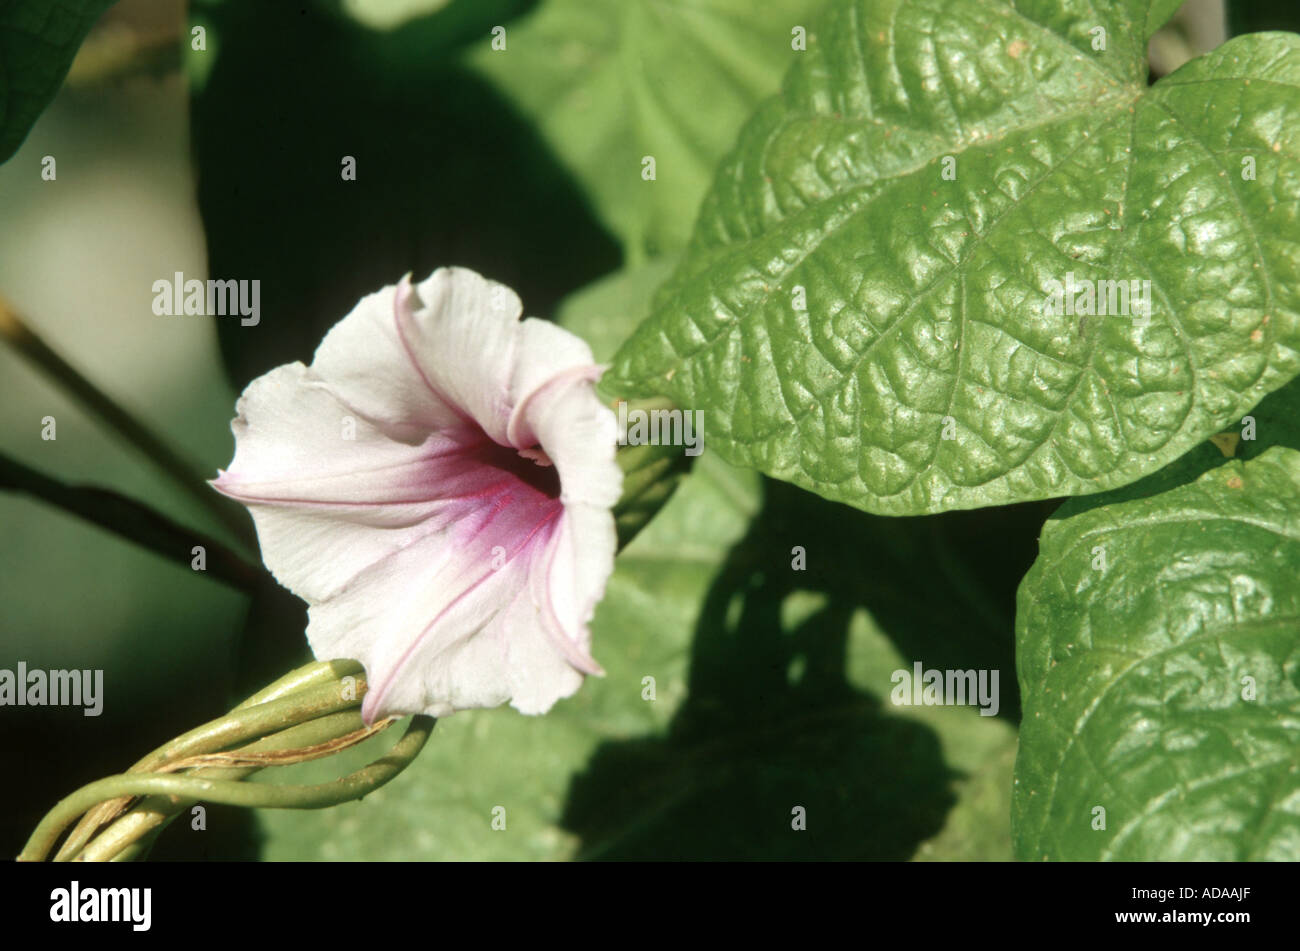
(438, 486)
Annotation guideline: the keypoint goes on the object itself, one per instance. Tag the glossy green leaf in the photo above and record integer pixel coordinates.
(38, 39)
(855, 322)
(1158, 646)
(1274, 422)
(610, 83)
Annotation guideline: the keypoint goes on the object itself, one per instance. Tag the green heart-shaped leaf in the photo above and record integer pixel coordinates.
(863, 308)
(1158, 646)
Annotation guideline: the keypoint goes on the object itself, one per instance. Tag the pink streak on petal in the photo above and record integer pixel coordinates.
(455, 469)
(501, 500)
(517, 430)
(579, 658)
(479, 539)
(402, 311)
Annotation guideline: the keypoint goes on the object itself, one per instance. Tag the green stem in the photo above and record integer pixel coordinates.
(231, 792)
(304, 694)
(248, 723)
(134, 832)
(169, 462)
(650, 476)
(308, 675)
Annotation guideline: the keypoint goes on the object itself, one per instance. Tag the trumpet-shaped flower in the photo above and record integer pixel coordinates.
(438, 486)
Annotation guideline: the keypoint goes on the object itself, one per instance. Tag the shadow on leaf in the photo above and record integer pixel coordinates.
(772, 722)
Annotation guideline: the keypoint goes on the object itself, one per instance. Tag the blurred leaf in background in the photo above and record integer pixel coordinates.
(612, 82)
(38, 40)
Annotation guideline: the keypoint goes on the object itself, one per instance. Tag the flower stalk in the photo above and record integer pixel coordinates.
(311, 713)
(651, 474)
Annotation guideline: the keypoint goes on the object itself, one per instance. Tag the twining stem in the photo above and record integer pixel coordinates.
(231, 792)
(169, 462)
(135, 832)
(309, 713)
(314, 674)
(307, 693)
(259, 756)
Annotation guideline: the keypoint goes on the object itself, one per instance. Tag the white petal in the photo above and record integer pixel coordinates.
(395, 535)
(579, 563)
(325, 506)
(457, 620)
(367, 363)
(463, 331)
(579, 434)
